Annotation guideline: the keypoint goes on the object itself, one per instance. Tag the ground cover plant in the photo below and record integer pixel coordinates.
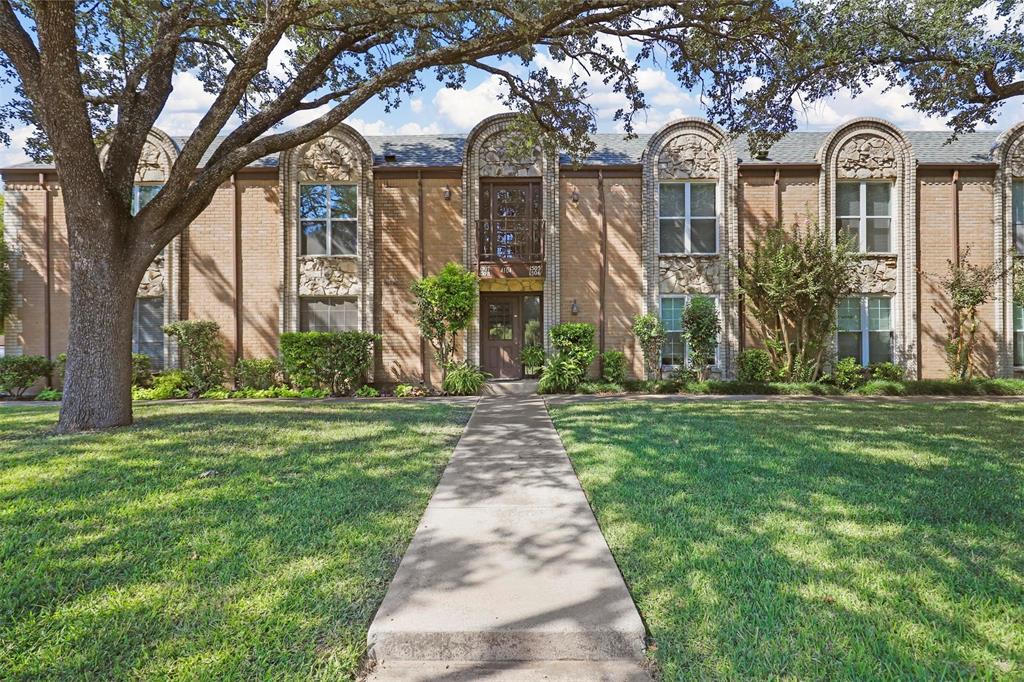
(840, 540)
(209, 541)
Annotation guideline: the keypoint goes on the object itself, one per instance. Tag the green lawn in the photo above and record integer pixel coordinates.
(814, 540)
(120, 560)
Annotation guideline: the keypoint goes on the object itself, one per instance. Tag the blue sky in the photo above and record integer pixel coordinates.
(441, 110)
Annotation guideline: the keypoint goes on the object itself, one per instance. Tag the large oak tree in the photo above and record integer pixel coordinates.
(95, 74)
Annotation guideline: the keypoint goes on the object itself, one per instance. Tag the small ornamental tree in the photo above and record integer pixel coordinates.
(700, 327)
(968, 287)
(650, 333)
(445, 304)
(791, 284)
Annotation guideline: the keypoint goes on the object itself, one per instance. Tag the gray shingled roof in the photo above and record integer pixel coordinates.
(612, 149)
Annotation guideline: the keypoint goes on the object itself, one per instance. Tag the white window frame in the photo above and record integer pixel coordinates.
(686, 345)
(330, 229)
(865, 327)
(687, 228)
(863, 217)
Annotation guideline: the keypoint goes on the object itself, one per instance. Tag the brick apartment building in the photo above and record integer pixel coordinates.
(331, 235)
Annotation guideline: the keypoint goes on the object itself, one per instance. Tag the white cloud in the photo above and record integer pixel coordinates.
(383, 127)
(467, 107)
(875, 101)
(416, 105)
(15, 154)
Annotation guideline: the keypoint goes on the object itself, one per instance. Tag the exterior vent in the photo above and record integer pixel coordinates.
(390, 158)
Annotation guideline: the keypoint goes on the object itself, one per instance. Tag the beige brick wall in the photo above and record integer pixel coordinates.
(623, 288)
(580, 241)
(935, 226)
(23, 216)
(444, 238)
(210, 266)
(398, 266)
(799, 194)
(976, 232)
(756, 207)
(261, 268)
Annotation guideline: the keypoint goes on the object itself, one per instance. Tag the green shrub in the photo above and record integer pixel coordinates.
(272, 392)
(882, 387)
(463, 378)
(886, 371)
(18, 373)
(166, 385)
(367, 391)
(532, 356)
(755, 366)
(574, 341)
(701, 324)
(771, 388)
(49, 394)
(592, 387)
(650, 334)
(562, 374)
(408, 390)
(847, 374)
(59, 365)
(216, 394)
(142, 370)
(304, 393)
(202, 354)
(335, 362)
(614, 362)
(257, 373)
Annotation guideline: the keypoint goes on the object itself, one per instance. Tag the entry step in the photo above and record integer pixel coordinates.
(516, 387)
(510, 671)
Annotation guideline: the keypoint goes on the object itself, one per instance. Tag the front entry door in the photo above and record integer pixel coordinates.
(501, 336)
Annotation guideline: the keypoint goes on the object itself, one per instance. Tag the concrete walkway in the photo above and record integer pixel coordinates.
(508, 576)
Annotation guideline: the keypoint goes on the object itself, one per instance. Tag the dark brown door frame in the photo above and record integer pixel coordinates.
(487, 345)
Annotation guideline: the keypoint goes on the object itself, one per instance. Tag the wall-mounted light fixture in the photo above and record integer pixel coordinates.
(573, 308)
(575, 196)
(447, 193)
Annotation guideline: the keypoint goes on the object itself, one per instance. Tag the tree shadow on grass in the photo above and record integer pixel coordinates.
(209, 540)
(814, 540)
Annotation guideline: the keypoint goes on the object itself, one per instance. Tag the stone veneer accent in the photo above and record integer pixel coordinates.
(877, 275)
(690, 274)
(692, 148)
(867, 148)
(339, 156)
(152, 283)
(1009, 154)
(488, 155)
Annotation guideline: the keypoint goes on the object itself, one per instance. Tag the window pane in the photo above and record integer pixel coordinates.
(328, 314)
(672, 353)
(1018, 349)
(672, 235)
(879, 347)
(532, 321)
(850, 346)
(147, 331)
(343, 237)
(878, 195)
(1018, 215)
(848, 199)
(143, 195)
(849, 315)
(343, 201)
(849, 228)
(702, 235)
(1018, 318)
(312, 201)
(314, 237)
(879, 314)
(702, 200)
(672, 313)
(878, 235)
(672, 199)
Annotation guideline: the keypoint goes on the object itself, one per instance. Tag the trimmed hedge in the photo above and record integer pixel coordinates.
(332, 361)
(257, 374)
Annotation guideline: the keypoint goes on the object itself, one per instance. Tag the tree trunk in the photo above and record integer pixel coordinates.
(97, 383)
